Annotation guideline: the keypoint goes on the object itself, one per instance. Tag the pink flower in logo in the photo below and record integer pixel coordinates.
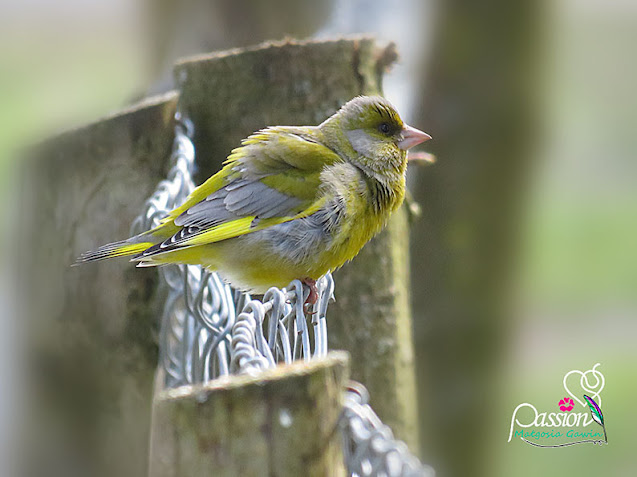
(566, 404)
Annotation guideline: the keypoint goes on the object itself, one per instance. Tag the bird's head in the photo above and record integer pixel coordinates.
(370, 133)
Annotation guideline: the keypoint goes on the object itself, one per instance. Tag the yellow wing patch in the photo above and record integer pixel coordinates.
(131, 249)
(244, 226)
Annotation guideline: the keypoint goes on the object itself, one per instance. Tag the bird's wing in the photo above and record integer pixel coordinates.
(272, 178)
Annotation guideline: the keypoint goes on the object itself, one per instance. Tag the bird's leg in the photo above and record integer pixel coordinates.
(312, 297)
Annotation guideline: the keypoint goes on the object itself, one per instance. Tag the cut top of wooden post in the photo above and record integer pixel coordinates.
(231, 94)
(283, 422)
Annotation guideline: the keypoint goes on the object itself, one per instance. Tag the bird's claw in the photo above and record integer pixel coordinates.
(312, 297)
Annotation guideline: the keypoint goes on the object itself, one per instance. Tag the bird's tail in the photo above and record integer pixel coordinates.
(130, 246)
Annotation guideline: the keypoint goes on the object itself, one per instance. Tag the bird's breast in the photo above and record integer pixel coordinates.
(358, 208)
(313, 245)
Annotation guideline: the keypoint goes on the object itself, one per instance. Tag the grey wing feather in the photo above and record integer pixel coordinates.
(238, 199)
(229, 203)
(245, 196)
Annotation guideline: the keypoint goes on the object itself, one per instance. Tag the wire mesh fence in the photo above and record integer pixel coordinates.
(209, 330)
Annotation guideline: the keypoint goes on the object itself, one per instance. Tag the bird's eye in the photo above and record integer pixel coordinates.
(384, 128)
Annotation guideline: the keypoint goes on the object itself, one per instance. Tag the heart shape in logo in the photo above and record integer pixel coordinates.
(591, 383)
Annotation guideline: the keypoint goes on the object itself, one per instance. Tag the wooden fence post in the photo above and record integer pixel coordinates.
(281, 423)
(228, 95)
(90, 330)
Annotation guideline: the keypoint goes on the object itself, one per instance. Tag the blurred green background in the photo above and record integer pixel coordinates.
(524, 262)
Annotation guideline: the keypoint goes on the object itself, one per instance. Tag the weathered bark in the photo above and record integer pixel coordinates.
(284, 422)
(91, 347)
(479, 110)
(229, 95)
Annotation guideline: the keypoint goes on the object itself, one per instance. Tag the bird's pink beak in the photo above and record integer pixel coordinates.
(412, 137)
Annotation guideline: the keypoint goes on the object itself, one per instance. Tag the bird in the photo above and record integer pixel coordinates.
(292, 202)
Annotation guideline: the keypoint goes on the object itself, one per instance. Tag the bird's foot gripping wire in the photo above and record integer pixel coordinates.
(312, 297)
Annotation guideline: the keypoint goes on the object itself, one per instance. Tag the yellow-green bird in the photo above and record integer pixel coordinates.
(290, 203)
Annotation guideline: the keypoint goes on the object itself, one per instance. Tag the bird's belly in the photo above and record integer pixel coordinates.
(301, 248)
(274, 256)
(296, 249)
